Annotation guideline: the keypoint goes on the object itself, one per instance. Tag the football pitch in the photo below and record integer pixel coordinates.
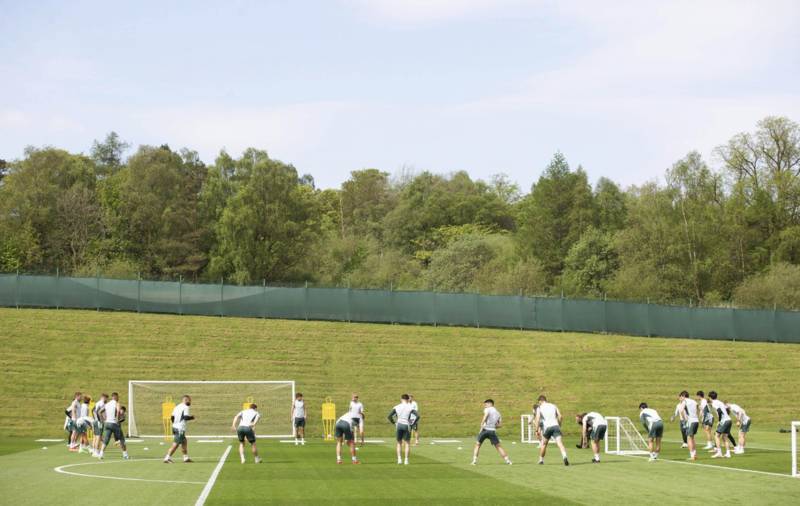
(439, 473)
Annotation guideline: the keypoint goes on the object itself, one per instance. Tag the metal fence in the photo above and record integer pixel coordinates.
(388, 306)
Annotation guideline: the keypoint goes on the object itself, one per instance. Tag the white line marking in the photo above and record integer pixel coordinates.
(286, 441)
(714, 467)
(446, 440)
(207, 489)
(209, 440)
(749, 445)
(50, 440)
(134, 440)
(61, 469)
(374, 441)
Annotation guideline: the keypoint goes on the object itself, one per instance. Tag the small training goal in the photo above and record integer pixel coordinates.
(527, 430)
(214, 404)
(623, 438)
(795, 429)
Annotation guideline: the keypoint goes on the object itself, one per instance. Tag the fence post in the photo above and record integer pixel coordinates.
(348, 301)
(180, 295)
(775, 322)
(435, 316)
(222, 296)
(16, 290)
(691, 319)
(477, 310)
(264, 298)
(138, 292)
(58, 292)
(649, 326)
(97, 290)
(521, 312)
(305, 300)
(562, 311)
(605, 313)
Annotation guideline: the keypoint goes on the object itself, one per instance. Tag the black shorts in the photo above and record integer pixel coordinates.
(344, 430)
(552, 432)
(691, 429)
(114, 429)
(246, 432)
(403, 432)
(724, 427)
(490, 435)
(300, 422)
(356, 422)
(598, 433)
(415, 425)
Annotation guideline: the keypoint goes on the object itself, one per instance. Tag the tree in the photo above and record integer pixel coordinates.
(553, 216)
(778, 286)
(590, 263)
(365, 200)
(610, 205)
(107, 155)
(267, 227)
(454, 268)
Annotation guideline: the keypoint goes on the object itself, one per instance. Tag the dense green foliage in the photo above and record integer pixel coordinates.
(702, 235)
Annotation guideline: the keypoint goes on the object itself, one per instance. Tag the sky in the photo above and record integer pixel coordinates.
(623, 88)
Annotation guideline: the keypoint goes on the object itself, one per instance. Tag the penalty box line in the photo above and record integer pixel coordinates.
(213, 478)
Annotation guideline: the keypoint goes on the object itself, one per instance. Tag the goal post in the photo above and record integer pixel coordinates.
(623, 438)
(214, 404)
(527, 432)
(795, 428)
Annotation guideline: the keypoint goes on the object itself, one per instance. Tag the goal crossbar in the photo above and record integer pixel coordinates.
(214, 402)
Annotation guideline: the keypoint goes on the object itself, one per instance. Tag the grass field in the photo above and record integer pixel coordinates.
(48, 354)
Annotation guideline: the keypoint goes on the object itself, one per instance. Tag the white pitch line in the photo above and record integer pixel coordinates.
(61, 469)
(209, 441)
(715, 467)
(754, 447)
(446, 440)
(49, 440)
(374, 441)
(210, 484)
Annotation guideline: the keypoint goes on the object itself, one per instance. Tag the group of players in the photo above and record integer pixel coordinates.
(108, 414)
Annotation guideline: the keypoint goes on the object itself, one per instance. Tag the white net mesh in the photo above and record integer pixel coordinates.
(623, 438)
(214, 404)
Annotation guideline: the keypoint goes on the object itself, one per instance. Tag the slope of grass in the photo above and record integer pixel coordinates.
(48, 354)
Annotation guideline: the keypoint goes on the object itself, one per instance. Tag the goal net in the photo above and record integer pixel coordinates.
(795, 428)
(214, 404)
(623, 438)
(526, 430)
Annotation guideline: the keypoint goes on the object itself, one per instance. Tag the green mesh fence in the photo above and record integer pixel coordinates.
(381, 306)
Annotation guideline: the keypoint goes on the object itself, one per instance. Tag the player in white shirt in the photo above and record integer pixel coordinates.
(655, 429)
(681, 423)
(97, 414)
(343, 431)
(551, 418)
(723, 426)
(401, 415)
(180, 415)
(688, 412)
(593, 427)
(357, 416)
(743, 422)
(298, 417)
(491, 421)
(244, 424)
(706, 419)
(415, 420)
(83, 423)
(72, 414)
(114, 415)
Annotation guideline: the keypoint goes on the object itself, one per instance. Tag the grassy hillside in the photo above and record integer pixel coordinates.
(47, 354)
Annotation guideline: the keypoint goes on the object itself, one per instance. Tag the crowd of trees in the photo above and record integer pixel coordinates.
(700, 236)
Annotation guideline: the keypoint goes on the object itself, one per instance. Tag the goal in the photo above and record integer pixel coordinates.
(526, 430)
(214, 404)
(795, 428)
(623, 438)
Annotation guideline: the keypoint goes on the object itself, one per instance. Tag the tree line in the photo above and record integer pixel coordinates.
(701, 235)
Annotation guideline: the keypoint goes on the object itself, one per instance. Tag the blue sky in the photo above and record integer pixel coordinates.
(487, 86)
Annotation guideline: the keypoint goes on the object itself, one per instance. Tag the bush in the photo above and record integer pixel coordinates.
(777, 287)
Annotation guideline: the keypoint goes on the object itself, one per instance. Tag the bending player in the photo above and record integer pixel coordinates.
(299, 419)
(723, 426)
(244, 424)
(743, 423)
(83, 423)
(655, 429)
(344, 431)
(180, 415)
(687, 410)
(708, 419)
(491, 421)
(593, 427)
(401, 416)
(114, 416)
(551, 418)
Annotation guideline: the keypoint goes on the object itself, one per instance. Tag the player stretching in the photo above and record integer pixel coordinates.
(688, 413)
(598, 425)
(97, 414)
(299, 419)
(708, 418)
(247, 421)
(344, 431)
(490, 422)
(550, 418)
(180, 415)
(655, 429)
(72, 423)
(83, 423)
(723, 426)
(743, 422)
(415, 420)
(114, 415)
(357, 416)
(401, 416)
